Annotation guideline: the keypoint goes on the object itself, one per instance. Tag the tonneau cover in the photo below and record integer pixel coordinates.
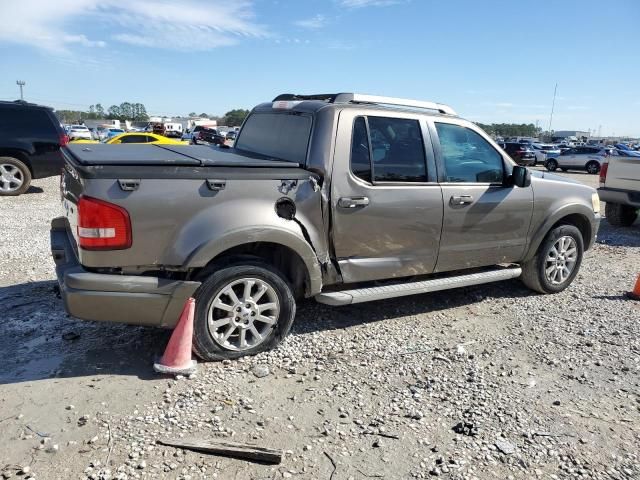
(169, 155)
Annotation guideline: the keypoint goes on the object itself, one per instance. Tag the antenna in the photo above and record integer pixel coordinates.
(553, 104)
(21, 83)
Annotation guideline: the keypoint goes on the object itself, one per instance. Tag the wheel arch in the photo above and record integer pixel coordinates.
(291, 255)
(576, 215)
(17, 154)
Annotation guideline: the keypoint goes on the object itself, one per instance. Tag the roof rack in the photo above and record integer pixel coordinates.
(361, 98)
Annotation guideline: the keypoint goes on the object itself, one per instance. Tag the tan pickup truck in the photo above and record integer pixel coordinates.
(620, 188)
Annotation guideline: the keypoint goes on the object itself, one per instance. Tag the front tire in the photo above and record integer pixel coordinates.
(620, 215)
(242, 310)
(557, 261)
(15, 177)
(551, 165)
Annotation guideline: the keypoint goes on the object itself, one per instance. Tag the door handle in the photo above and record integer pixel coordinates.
(461, 200)
(353, 202)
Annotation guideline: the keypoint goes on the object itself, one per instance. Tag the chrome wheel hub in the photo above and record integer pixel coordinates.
(10, 177)
(561, 260)
(243, 314)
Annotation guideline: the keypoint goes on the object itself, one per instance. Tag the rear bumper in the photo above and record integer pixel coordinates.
(133, 299)
(621, 197)
(526, 162)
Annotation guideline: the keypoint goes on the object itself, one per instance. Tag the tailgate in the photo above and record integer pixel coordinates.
(623, 173)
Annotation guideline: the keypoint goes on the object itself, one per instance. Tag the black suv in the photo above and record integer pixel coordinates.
(207, 136)
(521, 153)
(30, 141)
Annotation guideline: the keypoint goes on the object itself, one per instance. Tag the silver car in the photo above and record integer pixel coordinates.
(579, 158)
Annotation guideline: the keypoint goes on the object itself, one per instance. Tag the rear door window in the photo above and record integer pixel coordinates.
(26, 122)
(468, 157)
(385, 149)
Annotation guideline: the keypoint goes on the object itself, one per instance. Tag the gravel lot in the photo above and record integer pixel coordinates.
(483, 382)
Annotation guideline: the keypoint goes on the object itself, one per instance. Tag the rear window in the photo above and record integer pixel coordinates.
(284, 136)
(26, 122)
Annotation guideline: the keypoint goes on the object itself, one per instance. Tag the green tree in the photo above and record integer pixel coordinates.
(114, 112)
(99, 111)
(234, 118)
(204, 115)
(192, 114)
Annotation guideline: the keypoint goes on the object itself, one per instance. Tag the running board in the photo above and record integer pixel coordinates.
(360, 295)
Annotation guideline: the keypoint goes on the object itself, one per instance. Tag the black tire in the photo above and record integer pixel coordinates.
(551, 165)
(620, 215)
(533, 270)
(21, 171)
(593, 167)
(204, 344)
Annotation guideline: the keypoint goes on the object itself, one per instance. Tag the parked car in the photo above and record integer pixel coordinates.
(231, 135)
(112, 132)
(579, 158)
(543, 151)
(136, 138)
(521, 153)
(207, 136)
(345, 198)
(77, 132)
(620, 189)
(30, 140)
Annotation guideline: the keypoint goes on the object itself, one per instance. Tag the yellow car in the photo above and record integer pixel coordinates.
(142, 137)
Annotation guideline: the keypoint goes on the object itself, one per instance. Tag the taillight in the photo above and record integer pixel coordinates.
(603, 173)
(64, 139)
(102, 225)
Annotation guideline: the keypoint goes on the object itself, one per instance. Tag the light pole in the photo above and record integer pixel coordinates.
(553, 104)
(21, 83)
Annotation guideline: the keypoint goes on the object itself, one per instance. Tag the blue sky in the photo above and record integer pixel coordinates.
(493, 61)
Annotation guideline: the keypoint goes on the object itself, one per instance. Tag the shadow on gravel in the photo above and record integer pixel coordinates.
(33, 189)
(314, 317)
(39, 340)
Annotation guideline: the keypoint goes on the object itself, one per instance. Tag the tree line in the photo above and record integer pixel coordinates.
(137, 112)
(511, 129)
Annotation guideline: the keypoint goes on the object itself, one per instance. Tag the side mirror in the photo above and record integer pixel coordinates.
(521, 176)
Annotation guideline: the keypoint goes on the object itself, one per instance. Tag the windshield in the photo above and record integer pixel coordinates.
(281, 135)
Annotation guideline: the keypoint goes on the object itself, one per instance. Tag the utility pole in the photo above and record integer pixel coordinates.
(553, 104)
(21, 83)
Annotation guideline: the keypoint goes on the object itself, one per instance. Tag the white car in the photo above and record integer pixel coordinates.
(77, 132)
(544, 151)
(579, 158)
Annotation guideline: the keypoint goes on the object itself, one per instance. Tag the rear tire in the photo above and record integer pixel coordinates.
(620, 215)
(551, 165)
(234, 331)
(593, 168)
(549, 272)
(15, 177)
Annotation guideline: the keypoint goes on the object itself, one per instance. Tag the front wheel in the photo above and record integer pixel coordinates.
(620, 215)
(551, 165)
(242, 310)
(557, 261)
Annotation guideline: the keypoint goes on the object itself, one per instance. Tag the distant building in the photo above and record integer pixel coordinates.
(574, 135)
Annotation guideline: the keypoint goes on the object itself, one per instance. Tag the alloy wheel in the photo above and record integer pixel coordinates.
(561, 260)
(11, 178)
(243, 314)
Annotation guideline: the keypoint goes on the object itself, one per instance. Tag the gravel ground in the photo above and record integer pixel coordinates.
(483, 382)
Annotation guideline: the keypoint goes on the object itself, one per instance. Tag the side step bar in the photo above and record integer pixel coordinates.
(348, 297)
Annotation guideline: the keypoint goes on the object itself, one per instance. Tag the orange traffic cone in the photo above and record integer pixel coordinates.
(635, 295)
(177, 356)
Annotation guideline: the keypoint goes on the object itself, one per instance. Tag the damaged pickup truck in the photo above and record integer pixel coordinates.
(346, 198)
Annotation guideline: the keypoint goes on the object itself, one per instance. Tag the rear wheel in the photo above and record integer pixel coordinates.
(620, 215)
(551, 165)
(557, 261)
(15, 176)
(242, 310)
(593, 167)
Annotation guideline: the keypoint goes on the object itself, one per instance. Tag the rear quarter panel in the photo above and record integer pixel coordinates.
(181, 223)
(623, 173)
